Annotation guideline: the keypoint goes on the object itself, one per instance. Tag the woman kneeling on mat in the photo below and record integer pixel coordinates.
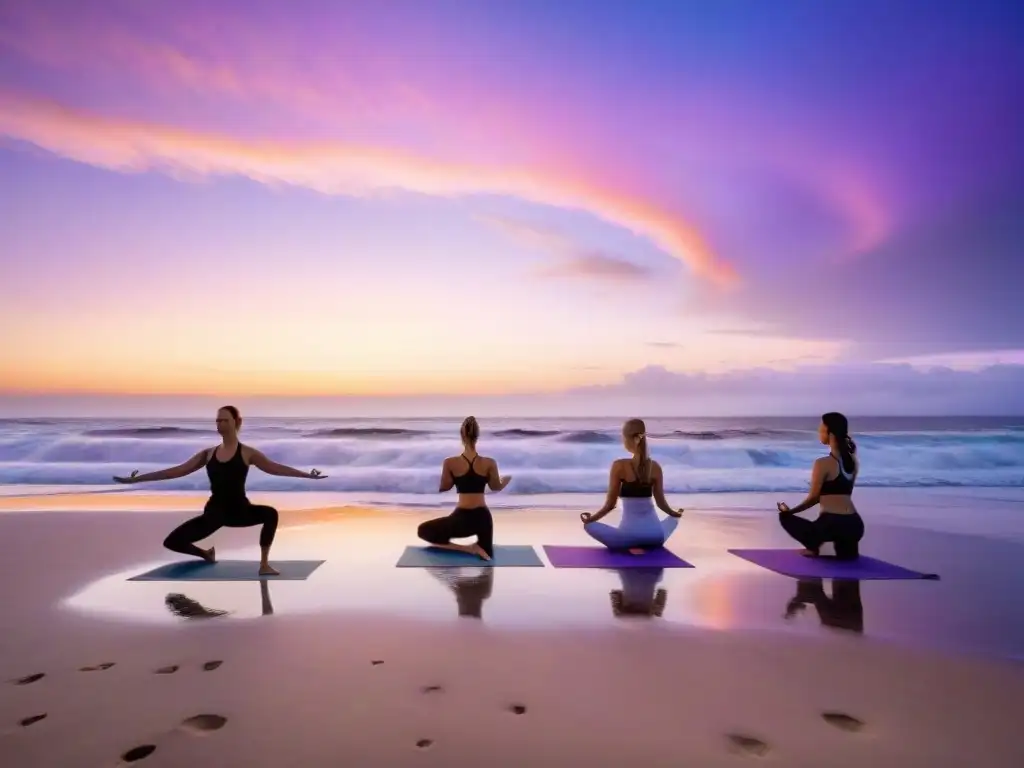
(470, 474)
(227, 466)
(832, 480)
(640, 483)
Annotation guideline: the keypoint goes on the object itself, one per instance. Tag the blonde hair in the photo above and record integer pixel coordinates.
(470, 430)
(635, 429)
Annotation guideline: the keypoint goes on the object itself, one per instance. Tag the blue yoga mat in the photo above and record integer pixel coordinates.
(508, 556)
(229, 570)
(789, 562)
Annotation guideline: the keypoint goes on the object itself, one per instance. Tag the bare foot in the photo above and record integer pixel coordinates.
(636, 551)
(266, 570)
(476, 549)
(809, 552)
(210, 555)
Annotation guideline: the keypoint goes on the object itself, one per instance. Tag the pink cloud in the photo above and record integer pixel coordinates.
(339, 168)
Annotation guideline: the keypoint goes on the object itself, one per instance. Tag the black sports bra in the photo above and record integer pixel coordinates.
(840, 485)
(636, 489)
(470, 482)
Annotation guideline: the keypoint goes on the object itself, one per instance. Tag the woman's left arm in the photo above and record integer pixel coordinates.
(817, 478)
(258, 460)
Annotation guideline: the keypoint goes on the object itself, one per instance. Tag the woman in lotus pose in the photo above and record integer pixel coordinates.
(832, 480)
(470, 474)
(227, 466)
(640, 484)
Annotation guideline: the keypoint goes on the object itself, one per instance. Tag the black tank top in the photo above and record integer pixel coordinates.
(227, 478)
(470, 482)
(840, 485)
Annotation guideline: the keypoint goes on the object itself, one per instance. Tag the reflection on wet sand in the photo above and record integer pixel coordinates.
(187, 608)
(472, 586)
(843, 610)
(639, 595)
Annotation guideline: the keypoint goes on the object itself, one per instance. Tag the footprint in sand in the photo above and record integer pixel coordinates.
(30, 679)
(202, 724)
(431, 689)
(747, 744)
(167, 670)
(211, 665)
(517, 709)
(135, 754)
(25, 722)
(424, 743)
(843, 721)
(98, 667)
(377, 662)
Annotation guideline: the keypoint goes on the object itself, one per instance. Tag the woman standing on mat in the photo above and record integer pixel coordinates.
(470, 474)
(227, 466)
(641, 484)
(832, 480)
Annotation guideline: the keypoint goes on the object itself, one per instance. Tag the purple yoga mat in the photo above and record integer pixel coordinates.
(789, 562)
(599, 557)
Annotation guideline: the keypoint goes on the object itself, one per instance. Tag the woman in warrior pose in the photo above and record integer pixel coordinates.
(470, 474)
(640, 483)
(227, 466)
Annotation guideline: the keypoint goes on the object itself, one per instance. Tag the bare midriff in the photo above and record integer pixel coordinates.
(837, 505)
(471, 501)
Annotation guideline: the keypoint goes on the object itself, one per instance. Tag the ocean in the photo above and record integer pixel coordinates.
(386, 457)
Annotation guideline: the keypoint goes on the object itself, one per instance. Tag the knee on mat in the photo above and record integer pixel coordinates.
(426, 532)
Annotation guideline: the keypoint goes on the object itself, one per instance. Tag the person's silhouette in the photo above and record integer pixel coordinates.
(187, 608)
(471, 589)
(639, 595)
(843, 610)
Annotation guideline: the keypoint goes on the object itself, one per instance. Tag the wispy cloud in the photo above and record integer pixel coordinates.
(338, 168)
(598, 265)
(573, 260)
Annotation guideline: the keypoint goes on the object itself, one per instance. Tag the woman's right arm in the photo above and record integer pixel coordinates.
(495, 481)
(181, 470)
(659, 492)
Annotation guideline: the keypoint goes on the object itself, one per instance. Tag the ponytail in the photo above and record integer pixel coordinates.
(839, 427)
(636, 429)
(643, 467)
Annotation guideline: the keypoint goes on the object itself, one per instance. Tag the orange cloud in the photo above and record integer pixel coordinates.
(338, 169)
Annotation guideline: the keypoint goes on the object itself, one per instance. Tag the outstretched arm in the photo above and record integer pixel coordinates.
(817, 478)
(659, 492)
(181, 470)
(495, 481)
(611, 498)
(260, 461)
(447, 481)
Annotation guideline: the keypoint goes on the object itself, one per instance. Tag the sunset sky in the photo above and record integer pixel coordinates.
(317, 197)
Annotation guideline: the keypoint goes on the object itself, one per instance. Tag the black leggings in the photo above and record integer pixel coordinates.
(461, 524)
(239, 514)
(845, 531)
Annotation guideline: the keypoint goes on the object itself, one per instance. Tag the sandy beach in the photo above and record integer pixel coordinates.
(368, 664)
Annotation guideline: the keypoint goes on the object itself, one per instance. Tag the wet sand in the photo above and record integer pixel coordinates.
(504, 666)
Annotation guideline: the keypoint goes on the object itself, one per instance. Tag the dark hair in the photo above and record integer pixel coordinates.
(470, 430)
(637, 429)
(235, 413)
(837, 425)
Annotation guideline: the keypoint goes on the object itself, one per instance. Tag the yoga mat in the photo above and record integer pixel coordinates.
(789, 562)
(508, 556)
(600, 557)
(229, 570)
